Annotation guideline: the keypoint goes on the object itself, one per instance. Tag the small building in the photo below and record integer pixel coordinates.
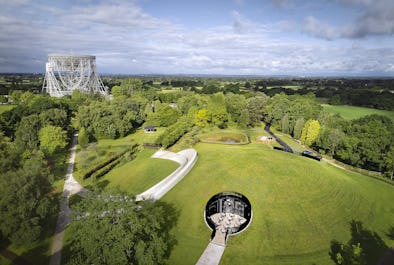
(149, 128)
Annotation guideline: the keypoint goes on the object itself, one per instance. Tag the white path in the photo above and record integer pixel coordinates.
(186, 158)
(211, 255)
(71, 186)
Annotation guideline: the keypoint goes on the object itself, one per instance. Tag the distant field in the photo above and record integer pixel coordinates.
(352, 112)
(5, 107)
(289, 87)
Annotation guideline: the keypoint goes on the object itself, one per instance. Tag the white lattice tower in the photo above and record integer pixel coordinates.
(66, 73)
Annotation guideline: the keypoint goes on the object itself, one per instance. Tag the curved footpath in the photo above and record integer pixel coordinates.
(71, 186)
(186, 158)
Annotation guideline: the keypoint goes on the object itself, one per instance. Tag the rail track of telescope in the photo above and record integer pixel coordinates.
(66, 73)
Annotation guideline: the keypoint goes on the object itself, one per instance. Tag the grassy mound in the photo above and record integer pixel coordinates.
(299, 205)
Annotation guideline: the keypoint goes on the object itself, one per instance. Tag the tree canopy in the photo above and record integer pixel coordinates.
(112, 229)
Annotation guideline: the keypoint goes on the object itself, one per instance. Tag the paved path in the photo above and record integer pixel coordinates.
(285, 146)
(71, 186)
(186, 158)
(212, 255)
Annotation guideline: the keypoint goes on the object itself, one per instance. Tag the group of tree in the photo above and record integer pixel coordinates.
(366, 142)
(112, 229)
(31, 134)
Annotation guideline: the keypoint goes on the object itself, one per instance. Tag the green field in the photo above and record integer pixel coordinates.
(352, 112)
(101, 150)
(5, 107)
(299, 205)
(139, 174)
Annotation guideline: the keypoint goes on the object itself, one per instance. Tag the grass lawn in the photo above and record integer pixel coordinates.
(299, 205)
(101, 150)
(139, 174)
(4, 108)
(352, 112)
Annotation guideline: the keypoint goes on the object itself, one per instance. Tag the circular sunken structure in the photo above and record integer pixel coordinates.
(227, 213)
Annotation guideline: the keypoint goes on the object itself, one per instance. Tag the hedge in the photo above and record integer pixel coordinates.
(106, 162)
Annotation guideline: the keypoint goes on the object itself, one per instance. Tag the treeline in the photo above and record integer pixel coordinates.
(32, 135)
(366, 142)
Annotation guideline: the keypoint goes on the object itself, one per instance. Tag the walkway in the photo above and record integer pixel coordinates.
(212, 255)
(186, 158)
(71, 186)
(285, 146)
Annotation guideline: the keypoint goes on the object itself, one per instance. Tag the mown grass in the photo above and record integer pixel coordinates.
(4, 107)
(139, 174)
(352, 112)
(101, 150)
(299, 205)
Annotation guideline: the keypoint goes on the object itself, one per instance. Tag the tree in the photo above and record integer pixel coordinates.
(299, 125)
(255, 106)
(83, 138)
(277, 107)
(217, 109)
(368, 139)
(26, 135)
(310, 132)
(55, 117)
(115, 230)
(3, 99)
(285, 124)
(234, 105)
(116, 91)
(15, 96)
(24, 200)
(164, 115)
(52, 138)
(330, 139)
(202, 118)
(244, 119)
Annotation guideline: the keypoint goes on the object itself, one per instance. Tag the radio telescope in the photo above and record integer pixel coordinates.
(66, 73)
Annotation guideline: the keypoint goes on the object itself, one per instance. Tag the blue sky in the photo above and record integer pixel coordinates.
(232, 37)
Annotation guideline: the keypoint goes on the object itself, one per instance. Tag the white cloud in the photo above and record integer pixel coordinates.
(126, 39)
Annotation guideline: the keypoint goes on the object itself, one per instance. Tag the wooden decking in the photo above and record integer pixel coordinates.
(225, 221)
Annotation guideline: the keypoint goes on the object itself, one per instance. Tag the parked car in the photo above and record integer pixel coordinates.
(311, 155)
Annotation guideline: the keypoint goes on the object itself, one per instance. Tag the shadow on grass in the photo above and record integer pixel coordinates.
(170, 217)
(390, 233)
(364, 247)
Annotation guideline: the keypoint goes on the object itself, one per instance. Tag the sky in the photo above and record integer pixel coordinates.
(222, 37)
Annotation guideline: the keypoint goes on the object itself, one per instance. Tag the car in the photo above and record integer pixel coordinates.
(310, 154)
